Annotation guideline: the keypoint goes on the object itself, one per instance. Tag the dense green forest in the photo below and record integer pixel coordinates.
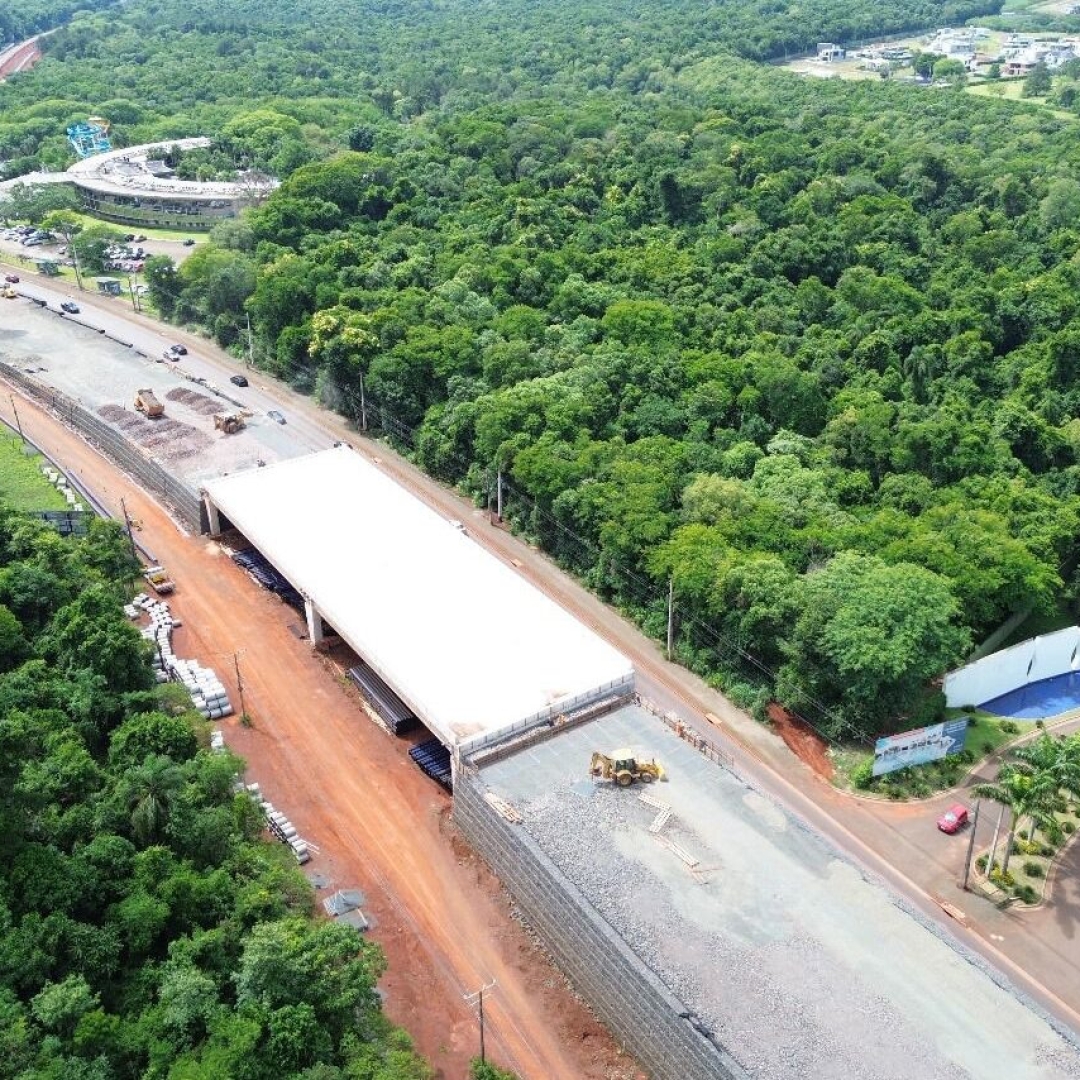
(145, 930)
(29, 17)
(806, 350)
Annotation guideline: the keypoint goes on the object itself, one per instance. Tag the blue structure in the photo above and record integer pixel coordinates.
(1038, 700)
(90, 138)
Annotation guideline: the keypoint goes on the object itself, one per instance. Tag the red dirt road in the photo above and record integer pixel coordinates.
(442, 918)
(19, 57)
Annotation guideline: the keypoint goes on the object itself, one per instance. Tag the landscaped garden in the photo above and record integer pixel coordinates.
(986, 734)
(1039, 790)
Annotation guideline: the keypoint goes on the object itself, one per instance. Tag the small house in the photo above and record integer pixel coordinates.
(108, 286)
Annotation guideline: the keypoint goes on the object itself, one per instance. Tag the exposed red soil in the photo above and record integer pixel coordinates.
(802, 740)
(445, 922)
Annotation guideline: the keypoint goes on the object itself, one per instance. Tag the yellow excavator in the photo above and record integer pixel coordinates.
(622, 767)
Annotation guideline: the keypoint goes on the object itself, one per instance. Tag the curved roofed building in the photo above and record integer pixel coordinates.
(135, 186)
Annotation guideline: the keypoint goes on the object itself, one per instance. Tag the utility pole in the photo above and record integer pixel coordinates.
(363, 405)
(477, 998)
(127, 523)
(239, 683)
(971, 845)
(498, 495)
(134, 295)
(251, 342)
(670, 615)
(18, 422)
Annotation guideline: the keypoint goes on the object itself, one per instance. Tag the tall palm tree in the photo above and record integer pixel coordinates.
(1056, 759)
(1027, 794)
(151, 789)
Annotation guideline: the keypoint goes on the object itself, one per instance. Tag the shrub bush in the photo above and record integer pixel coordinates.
(1047, 851)
(1027, 894)
(987, 748)
(1010, 727)
(1068, 827)
(862, 776)
(1034, 869)
(1003, 878)
(980, 864)
(1025, 847)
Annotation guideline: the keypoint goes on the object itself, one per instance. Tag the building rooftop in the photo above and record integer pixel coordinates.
(472, 647)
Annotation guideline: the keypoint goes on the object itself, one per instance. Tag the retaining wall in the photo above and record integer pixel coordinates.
(152, 477)
(638, 1008)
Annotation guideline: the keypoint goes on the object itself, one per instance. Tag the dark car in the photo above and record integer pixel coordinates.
(70, 307)
(189, 242)
(238, 380)
(275, 415)
(954, 819)
(180, 350)
(12, 279)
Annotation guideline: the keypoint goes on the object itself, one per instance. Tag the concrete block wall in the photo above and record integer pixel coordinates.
(642, 1013)
(154, 478)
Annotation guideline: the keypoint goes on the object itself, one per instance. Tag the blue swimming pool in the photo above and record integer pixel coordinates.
(1039, 700)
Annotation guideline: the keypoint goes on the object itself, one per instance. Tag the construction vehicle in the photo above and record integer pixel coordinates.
(147, 402)
(624, 768)
(159, 580)
(230, 422)
(9, 293)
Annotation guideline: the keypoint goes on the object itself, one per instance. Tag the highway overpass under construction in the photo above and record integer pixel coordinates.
(477, 652)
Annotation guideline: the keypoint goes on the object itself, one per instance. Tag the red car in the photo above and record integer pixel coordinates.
(954, 819)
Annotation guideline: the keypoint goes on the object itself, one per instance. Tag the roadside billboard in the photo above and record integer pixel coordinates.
(919, 746)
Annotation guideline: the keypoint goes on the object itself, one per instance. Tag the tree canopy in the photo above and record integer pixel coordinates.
(145, 929)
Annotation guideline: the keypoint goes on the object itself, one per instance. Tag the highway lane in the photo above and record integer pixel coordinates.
(898, 843)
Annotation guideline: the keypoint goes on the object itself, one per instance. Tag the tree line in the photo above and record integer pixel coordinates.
(801, 352)
(145, 928)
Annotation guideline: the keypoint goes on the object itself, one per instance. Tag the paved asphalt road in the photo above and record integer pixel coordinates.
(898, 842)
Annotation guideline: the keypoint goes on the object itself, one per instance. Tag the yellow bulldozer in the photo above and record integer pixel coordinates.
(624, 768)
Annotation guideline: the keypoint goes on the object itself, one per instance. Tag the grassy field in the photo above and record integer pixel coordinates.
(139, 230)
(22, 483)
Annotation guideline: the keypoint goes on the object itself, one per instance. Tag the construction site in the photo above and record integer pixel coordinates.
(719, 936)
(713, 932)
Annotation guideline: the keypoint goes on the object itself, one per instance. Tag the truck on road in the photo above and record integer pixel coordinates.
(159, 580)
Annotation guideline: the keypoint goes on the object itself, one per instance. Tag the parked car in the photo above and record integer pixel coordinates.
(180, 350)
(189, 242)
(238, 380)
(954, 819)
(275, 415)
(70, 307)
(12, 279)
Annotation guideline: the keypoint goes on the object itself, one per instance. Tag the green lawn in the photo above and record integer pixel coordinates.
(22, 483)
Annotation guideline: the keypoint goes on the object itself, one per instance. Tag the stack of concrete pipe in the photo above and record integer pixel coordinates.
(208, 695)
(280, 825)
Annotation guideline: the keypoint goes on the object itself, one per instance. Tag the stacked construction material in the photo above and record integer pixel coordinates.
(217, 740)
(267, 576)
(394, 714)
(207, 693)
(434, 759)
(281, 826)
(159, 631)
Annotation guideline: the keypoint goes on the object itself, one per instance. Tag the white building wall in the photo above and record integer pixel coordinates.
(1031, 661)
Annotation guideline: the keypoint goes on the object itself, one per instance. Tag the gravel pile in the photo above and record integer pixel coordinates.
(775, 999)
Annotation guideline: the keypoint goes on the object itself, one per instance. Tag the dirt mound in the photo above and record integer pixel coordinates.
(802, 740)
(200, 403)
